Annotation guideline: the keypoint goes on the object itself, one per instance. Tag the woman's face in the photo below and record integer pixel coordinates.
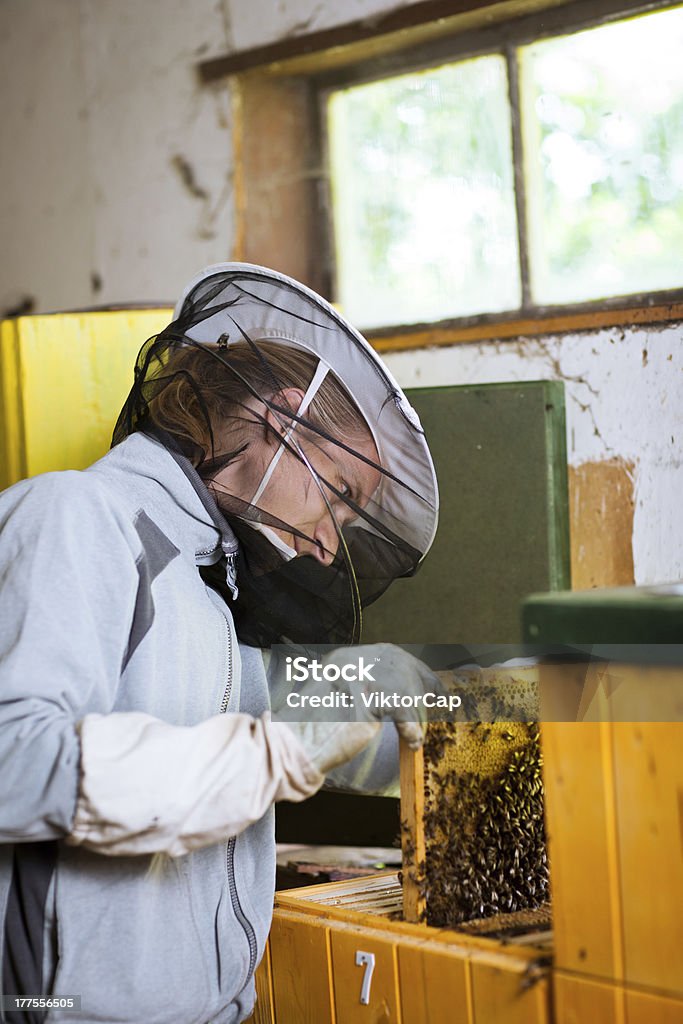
(293, 496)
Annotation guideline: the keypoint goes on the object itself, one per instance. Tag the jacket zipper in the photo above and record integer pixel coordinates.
(230, 849)
(237, 906)
(228, 687)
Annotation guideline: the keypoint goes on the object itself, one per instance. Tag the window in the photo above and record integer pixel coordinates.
(423, 195)
(548, 173)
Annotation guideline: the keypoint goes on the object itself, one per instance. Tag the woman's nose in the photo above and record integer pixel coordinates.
(326, 540)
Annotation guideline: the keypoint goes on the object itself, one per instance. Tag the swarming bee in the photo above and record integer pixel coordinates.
(483, 820)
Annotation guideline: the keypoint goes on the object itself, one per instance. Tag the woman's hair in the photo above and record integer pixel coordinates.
(203, 392)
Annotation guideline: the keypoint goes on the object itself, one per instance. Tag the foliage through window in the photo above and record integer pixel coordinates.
(425, 216)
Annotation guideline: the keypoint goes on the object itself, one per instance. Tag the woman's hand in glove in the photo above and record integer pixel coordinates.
(397, 676)
(329, 744)
(391, 686)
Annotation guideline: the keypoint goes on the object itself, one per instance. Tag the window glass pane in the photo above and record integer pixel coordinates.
(423, 199)
(603, 138)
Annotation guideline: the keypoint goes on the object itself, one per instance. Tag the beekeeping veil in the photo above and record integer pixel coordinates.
(227, 326)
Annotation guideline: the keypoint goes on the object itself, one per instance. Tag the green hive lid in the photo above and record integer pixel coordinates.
(594, 619)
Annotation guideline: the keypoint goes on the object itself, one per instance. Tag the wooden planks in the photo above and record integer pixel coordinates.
(579, 1000)
(649, 809)
(381, 979)
(421, 975)
(435, 987)
(412, 830)
(649, 1008)
(499, 993)
(602, 506)
(263, 1011)
(300, 948)
(582, 848)
(614, 810)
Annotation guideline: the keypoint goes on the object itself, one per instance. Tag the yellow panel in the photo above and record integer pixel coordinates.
(582, 847)
(302, 986)
(75, 370)
(12, 445)
(648, 1009)
(579, 1001)
(499, 995)
(383, 1007)
(649, 787)
(434, 987)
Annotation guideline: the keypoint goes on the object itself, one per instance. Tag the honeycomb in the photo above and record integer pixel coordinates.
(483, 817)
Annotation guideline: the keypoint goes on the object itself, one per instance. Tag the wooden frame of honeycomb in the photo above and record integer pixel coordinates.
(473, 833)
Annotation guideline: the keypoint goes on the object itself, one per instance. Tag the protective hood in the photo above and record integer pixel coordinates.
(240, 321)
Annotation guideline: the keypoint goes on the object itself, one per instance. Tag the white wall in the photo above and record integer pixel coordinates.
(257, 22)
(624, 398)
(620, 403)
(45, 208)
(102, 105)
(102, 110)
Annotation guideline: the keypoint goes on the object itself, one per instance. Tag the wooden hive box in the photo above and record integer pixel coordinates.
(344, 953)
(614, 807)
(338, 955)
(613, 747)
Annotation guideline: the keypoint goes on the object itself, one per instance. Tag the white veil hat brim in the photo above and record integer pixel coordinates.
(271, 306)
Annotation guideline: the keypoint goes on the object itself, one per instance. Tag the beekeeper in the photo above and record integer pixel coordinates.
(267, 480)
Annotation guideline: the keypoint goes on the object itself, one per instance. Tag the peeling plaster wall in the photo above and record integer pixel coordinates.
(624, 397)
(117, 175)
(257, 22)
(624, 388)
(45, 211)
(160, 146)
(116, 166)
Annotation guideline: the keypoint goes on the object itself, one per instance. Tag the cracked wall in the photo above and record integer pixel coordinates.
(117, 183)
(264, 21)
(623, 392)
(623, 387)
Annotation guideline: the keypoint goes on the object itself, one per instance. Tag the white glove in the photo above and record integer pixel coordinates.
(146, 786)
(329, 744)
(398, 675)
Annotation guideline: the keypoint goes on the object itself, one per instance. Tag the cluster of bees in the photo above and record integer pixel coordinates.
(483, 821)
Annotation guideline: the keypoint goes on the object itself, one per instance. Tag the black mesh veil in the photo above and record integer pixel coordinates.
(308, 447)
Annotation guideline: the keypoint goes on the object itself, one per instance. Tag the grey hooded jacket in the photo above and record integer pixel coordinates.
(104, 614)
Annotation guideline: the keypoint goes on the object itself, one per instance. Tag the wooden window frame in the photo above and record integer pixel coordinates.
(281, 178)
